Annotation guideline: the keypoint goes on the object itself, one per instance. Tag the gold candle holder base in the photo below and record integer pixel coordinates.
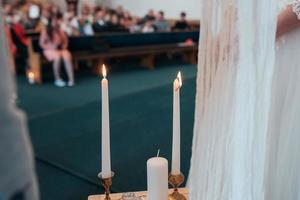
(106, 182)
(175, 181)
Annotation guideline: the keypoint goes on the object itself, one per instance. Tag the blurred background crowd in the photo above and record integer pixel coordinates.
(89, 20)
(54, 26)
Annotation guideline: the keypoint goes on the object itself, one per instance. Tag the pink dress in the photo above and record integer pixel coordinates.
(55, 48)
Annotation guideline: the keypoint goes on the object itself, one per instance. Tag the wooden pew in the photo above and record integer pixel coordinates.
(100, 48)
(147, 54)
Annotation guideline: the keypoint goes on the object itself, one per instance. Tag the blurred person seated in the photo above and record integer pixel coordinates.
(114, 24)
(148, 27)
(17, 40)
(83, 27)
(135, 25)
(108, 13)
(182, 24)
(86, 13)
(71, 11)
(100, 24)
(72, 5)
(83, 23)
(32, 17)
(42, 20)
(160, 23)
(69, 20)
(8, 13)
(54, 9)
(46, 15)
(96, 9)
(12, 14)
(149, 16)
(19, 11)
(54, 43)
(120, 11)
(68, 24)
(126, 20)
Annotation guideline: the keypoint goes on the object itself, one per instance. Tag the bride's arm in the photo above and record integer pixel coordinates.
(288, 19)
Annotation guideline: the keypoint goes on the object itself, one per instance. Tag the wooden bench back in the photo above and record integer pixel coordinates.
(105, 42)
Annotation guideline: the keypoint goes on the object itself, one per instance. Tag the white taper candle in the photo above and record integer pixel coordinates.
(106, 165)
(175, 169)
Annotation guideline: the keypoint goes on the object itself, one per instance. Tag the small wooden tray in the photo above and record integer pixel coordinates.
(117, 196)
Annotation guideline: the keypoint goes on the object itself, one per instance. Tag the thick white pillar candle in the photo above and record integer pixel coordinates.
(157, 178)
(106, 166)
(175, 169)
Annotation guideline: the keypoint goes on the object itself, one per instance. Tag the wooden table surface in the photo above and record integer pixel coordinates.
(117, 196)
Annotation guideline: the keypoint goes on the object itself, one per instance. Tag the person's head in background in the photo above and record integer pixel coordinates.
(148, 26)
(126, 20)
(20, 4)
(114, 19)
(45, 15)
(100, 15)
(52, 27)
(96, 9)
(71, 14)
(149, 23)
(46, 12)
(57, 20)
(127, 15)
(71, 8)
(87, 14)
(161, 16)
(12, 14)
(183, 16)
(85, 10)
(8, 12)
(68, 17)
(54, 9)
(34, 11)
(32, 16)
(135, 21)
(120, 11)
(81, 20)
(151, 13)
(8, 9)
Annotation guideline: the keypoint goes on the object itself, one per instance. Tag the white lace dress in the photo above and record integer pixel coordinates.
(283, 177)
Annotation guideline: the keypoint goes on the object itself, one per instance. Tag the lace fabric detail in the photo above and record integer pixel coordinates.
(296, 7)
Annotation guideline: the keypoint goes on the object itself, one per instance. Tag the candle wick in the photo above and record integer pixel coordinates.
(158, 153)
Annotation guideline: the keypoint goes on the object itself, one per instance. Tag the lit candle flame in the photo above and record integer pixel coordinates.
(179, 80)
(31, 75)
(104, 71)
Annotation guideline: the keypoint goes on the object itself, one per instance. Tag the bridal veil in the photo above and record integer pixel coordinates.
(235, 72)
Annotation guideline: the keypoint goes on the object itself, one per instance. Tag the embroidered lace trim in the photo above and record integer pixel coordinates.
(296, 8)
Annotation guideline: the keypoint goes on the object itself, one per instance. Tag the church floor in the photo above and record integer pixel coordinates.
(65, 128)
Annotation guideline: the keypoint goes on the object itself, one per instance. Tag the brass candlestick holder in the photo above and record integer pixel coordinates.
(106, 182)
(175, 181)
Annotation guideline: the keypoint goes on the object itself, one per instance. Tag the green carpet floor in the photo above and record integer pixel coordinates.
(65, 128)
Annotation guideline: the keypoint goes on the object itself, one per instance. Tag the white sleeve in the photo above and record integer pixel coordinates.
(296, 7)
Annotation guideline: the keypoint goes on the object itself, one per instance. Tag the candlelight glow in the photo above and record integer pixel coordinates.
(104, 71)
(31, 75)
(179, 78)
(178, 81)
